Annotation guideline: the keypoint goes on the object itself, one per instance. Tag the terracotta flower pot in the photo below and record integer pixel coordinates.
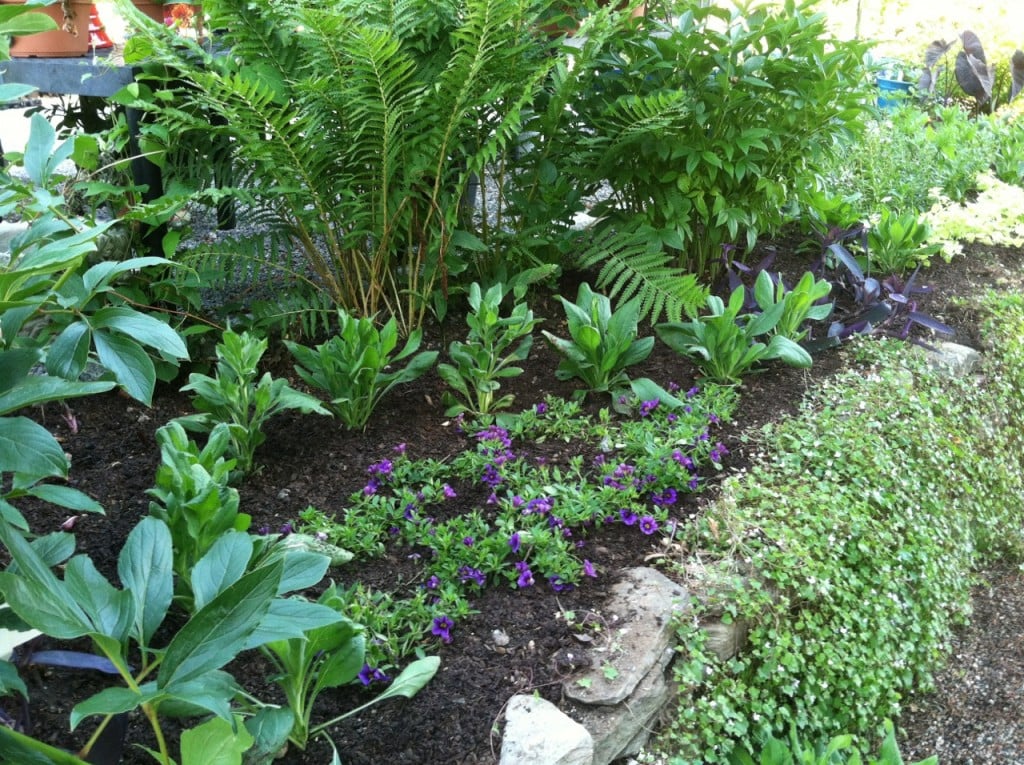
(57, 43)
(152, 8)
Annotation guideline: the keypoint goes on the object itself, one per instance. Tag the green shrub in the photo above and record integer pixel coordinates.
(861, 531)
(703, 129)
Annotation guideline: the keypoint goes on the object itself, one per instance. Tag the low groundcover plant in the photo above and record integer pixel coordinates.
(858, 547)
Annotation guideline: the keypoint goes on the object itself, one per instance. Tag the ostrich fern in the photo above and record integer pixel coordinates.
(354, 127)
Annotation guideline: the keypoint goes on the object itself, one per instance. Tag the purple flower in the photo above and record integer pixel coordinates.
(713, 419)
(692, 392)
(540, 506)
(693, 484)
(410, 512)
(648, 525)
(394, 531)
(371, 487)
(558, 585)
(682, 459)
(672, 417)
(491, 476)
(646, 407)
(287, 529)
(514, 542)
(399, 449)
(588, 569)
(448, 491)
(673, 387)
(666, 498)
(468, 541)
(370, 674)
(517, 501)
(382, 469)
(540, 408)
(263, 530)
(433, 583)
(628, 516)
(442, 628)
(718, 452)
(470, 574)
(525, 575)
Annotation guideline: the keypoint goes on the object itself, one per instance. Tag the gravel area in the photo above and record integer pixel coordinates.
(976, 714)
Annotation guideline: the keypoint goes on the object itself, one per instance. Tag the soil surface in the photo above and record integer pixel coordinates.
(309, 460)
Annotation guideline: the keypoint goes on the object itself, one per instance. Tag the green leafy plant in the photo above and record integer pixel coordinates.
(776, 751)
(389, 107)
(328, 657)
(898, 243)
(800, 304)
(193, 498)
(703, 130)
(492, 347)
(238, 608)
(355, 366)
(234, 397)
(604, 342)
(724, 344)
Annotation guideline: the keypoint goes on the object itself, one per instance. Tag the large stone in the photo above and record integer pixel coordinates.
(536, 731)
(621, 730)
(953, 359)
(642, 610)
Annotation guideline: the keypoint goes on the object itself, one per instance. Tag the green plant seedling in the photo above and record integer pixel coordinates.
(603, 342)
(492, 347)
(235, 398)
(352, 367)
(724, 344)
(898, 243)
(800, 304)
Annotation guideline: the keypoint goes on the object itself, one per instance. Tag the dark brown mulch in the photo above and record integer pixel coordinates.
(310, 461)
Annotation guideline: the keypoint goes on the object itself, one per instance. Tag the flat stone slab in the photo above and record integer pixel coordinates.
(536, 731)
(645, 603)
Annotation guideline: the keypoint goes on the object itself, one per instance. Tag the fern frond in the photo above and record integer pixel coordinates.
(631, 267)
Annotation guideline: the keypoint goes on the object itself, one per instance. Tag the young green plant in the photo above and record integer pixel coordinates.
(492, 347)
(235, 398)
(352, 367)
(603, 342)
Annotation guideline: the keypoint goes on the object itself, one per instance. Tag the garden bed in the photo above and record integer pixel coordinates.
(310, 461)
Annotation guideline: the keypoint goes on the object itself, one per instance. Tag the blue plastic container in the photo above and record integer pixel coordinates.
(892, 92)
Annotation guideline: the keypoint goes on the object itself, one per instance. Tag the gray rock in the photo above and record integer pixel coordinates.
(623, 729)
(952, 359)
(644, 602)
(536, 731)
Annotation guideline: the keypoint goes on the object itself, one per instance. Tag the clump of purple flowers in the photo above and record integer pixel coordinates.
(380, 473)
(525, 575)
(470, 574)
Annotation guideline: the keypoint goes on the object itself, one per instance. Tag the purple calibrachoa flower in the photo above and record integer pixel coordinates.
(628, 516)
(692, 392)
(672, 387)
(443, 628)
(470, 574)
(370, 674)
(558, 585)
(525, 575)
(399, 449)
(514, 542)
(693, 484)
(491, 477)
(718, 452)
(588, 569)
(383, 469)
(448, 491)
(468, 541)
(371, 487)
(287, 529)
(540, 506)
(433, 583)
(682, 459)
(666, 498)
(540, 408)
(648, 525)
(646, 407)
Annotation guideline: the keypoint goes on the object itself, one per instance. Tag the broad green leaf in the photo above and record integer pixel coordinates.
(142, 328)
(29, 448)
(270, 728)
(222, 565)
(65, 496)
(21, 749)
(111, 701)
(302, 570)
(145, 569)
(413, 678)
(130, 365)
(790, 353)
(39, 389)
(212, 692)
(342, 666)
(10, 682)
(102, 273)
(68, 353)
(215, 742)
(220, 631)
(110, 610)
(41, 140)
(288, 618)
